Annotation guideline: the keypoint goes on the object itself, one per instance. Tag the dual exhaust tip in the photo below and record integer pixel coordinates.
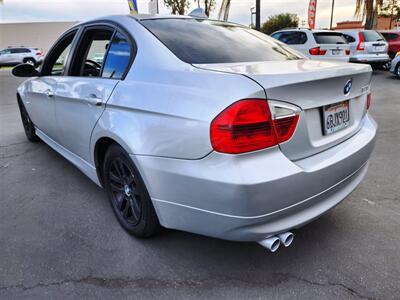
(272, 243)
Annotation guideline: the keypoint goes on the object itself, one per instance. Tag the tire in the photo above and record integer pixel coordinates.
(30, 61)
(28, 125)
(397, 71)
(128, 195)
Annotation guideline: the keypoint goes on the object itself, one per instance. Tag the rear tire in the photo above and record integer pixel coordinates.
(128, 195)
(30, 61)
(397, 71)
(28, 125)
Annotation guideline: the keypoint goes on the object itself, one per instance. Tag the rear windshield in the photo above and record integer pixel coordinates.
(390, 36)
(199, 41)
(329, 38)
(372, 36)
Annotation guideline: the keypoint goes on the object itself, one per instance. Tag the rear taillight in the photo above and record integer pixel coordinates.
(40, 53)
(369, 97)
(248, 125)
(317, 51)
(347, 51)
(361, 43)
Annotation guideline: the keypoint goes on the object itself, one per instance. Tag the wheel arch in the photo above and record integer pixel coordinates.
(29, 57)
(100, 148)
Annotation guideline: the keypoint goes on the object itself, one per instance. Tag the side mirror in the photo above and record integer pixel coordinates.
(25, 70)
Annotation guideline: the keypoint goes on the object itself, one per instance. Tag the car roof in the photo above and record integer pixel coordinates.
(141, 17)
(18, 47)
(390, 31)
(138, 17)
(306, 30)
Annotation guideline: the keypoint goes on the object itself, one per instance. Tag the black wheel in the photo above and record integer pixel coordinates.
(397, 71)
(128, 195)
(29, 127)
(30, 61)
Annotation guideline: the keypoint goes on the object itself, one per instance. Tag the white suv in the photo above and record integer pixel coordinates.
(316, 44)
(18, 55)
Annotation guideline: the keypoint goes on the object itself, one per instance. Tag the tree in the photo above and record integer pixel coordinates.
(280, 21)
(391, 8)
(178, 7)
(209, 6)
(368, 10)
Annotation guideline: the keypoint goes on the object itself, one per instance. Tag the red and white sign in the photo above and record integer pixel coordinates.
(312, 11)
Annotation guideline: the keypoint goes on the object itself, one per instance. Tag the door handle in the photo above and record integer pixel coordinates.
(93, 99)
(49, 93)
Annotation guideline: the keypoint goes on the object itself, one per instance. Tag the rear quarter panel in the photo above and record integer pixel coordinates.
(164, 106)
(169, 114)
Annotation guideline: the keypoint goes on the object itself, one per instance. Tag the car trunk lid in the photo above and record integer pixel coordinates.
(310, 85)
(374, 42)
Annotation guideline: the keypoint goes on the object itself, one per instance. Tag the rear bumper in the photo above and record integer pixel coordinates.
(332, 58)
(370, 58)
(250, 197)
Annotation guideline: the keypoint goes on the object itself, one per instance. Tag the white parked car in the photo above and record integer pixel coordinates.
(316, 44)
(395, 65)
(19, 55)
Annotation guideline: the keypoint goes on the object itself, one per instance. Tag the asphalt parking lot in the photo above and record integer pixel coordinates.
(60, 239)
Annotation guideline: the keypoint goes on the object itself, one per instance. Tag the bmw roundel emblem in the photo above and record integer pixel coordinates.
(348, 86)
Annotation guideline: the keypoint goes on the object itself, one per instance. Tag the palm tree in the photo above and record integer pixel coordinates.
(224, 10)
(368, 10)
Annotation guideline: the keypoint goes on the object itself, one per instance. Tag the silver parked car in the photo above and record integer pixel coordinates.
(395, 65)
(316, 44)
(18, 55)
(367, 46)
(203, 126)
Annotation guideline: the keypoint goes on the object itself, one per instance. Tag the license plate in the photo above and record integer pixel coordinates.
(336, 117)
(336, 52)
(379, 49)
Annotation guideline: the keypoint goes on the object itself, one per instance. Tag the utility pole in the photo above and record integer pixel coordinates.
(258, 15)
(252, 13)
(333, 7)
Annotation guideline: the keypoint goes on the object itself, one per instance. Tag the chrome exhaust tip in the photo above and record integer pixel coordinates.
(286, 238)
(272, 243)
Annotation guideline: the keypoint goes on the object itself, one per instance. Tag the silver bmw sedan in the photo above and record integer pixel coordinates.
(200, 125)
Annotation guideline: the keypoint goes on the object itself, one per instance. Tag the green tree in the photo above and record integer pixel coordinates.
(178, 7)
(277, 22)
(391, 8)
(209, 6)
(368, 10)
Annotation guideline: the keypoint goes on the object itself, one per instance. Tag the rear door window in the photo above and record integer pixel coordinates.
(329, 38)
(118, 57)
(291, 37)
(349, 38)
(200, 41)
(390, 36)
(372, 36)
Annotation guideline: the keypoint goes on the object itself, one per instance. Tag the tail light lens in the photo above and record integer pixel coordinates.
(347, 51)
(369, 98)
(361, 43)
(40, 53)
(248, 125)
(317, 51)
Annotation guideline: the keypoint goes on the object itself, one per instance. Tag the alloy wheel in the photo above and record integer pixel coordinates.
(126, 196)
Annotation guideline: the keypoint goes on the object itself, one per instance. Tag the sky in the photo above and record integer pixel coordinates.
(79, 10)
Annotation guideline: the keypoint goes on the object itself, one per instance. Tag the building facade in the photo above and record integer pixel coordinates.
(40, 35)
